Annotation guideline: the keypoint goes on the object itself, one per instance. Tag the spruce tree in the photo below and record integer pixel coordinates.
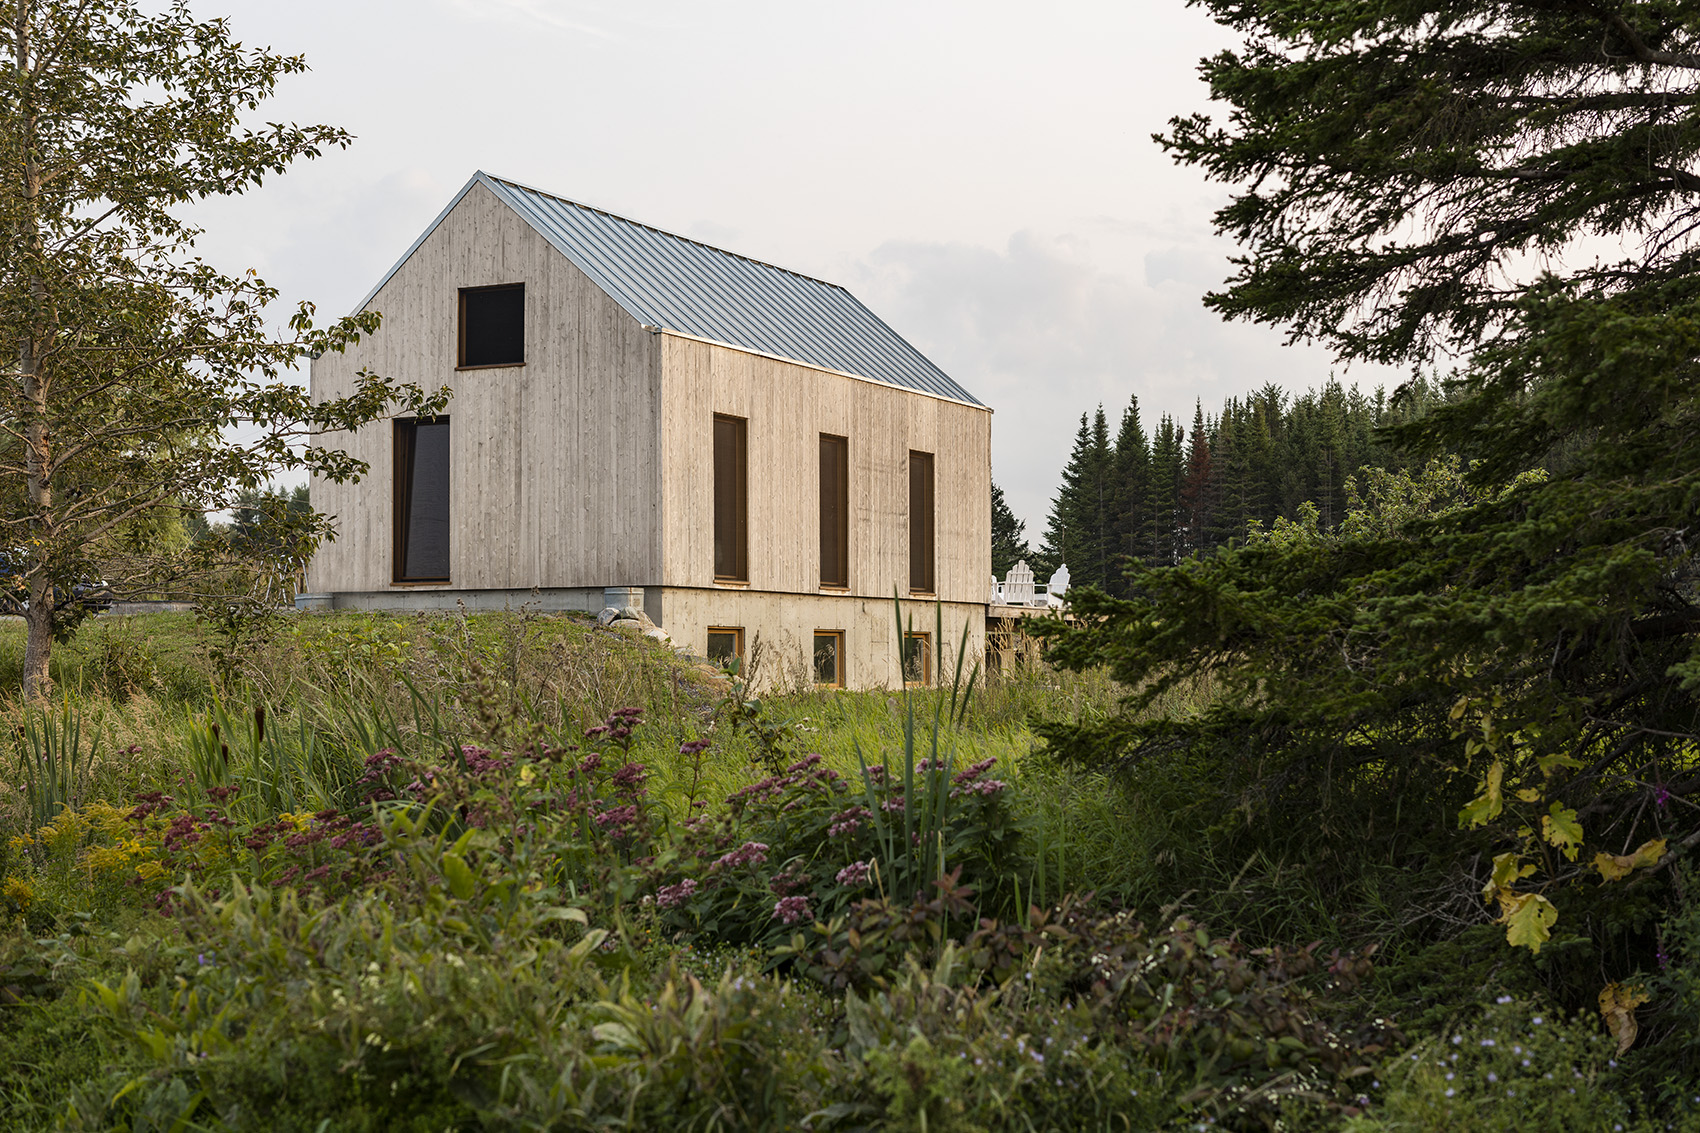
(1009, 535)
(1396, 167)
(1132, 484)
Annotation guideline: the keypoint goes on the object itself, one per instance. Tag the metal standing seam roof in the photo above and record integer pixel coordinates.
(682, 285)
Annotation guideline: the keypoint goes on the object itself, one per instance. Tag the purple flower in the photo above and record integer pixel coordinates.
(1660, 796)
(671, 895)
(847, 821)
(983, 787)
(630, 778)
(619, 819)
(790, 910)
(691, 747)
(750, 853)
(856, 873)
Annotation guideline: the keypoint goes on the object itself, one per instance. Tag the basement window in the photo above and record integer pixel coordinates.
(725, 644)
(731, 500)
(492, 326)
(829, 658)
(921, 522)
(834, 512)
(917, 659)
(422, 500)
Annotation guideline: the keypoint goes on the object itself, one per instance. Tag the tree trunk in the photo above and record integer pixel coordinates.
(38, 456)
(38, 644)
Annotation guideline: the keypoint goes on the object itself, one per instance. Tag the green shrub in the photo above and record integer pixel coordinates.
(1521, 1066)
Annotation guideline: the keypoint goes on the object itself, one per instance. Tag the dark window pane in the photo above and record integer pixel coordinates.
(828, 670)
(834, 511)
(921, 522)
(492, 326)
(917, 658)
(723, 645)
(731, 516)
(422, 498)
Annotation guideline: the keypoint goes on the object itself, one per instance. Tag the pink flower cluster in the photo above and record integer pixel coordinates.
(969, 782)
(619, 819)
(630, 778)
(793, 877)
(479, 761)
(750, 853)
(856, 873)
(669, 895)
(847, 821)
(790, 910)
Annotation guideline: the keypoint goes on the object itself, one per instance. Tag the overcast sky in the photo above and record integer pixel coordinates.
(980, 174)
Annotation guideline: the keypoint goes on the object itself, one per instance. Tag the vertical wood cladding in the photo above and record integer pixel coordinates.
(555, 470)
(592, 464)
(788, 408)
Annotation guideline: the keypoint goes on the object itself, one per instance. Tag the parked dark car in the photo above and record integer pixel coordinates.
(93, 595)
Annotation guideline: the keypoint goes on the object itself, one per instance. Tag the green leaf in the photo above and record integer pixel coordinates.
(462, 882)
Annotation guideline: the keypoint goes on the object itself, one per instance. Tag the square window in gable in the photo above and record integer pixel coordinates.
(492, 326)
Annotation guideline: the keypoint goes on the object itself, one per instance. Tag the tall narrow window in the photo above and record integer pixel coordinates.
(917, 658)
(422, 500)
(731, 500)
(921, 522)
(834, 511)
(492, 326)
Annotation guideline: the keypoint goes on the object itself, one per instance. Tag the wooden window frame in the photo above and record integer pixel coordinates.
(737, 633)
(923, 547)
(835, 565)
(460, 329)
(926, 640)
(837, 636)
(739, 572)
(401, 513)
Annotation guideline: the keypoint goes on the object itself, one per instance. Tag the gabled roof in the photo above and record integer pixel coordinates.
(682, 285)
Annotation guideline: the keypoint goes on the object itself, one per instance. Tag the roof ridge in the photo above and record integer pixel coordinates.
(523, 187)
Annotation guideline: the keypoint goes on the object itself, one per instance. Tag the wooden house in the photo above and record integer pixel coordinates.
(753, 449)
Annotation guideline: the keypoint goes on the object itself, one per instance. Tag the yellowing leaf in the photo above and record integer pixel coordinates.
(1617, 1007)
(1529, 794)
(1551, 763)
(1560, 828)
(1507, 868)
(1487, 806)
(1528, 919)
(1616, 867)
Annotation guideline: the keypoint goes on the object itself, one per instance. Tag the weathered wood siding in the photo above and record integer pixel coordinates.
(555, 465)
(788, 406)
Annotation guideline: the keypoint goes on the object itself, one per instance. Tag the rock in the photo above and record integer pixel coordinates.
(628, 625)
(608, 614)
(658, 634)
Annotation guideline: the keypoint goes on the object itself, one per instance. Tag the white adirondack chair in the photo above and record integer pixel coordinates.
(1018, 585)
(1057, 586)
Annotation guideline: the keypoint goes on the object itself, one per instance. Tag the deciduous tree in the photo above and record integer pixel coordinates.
(129, 359)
